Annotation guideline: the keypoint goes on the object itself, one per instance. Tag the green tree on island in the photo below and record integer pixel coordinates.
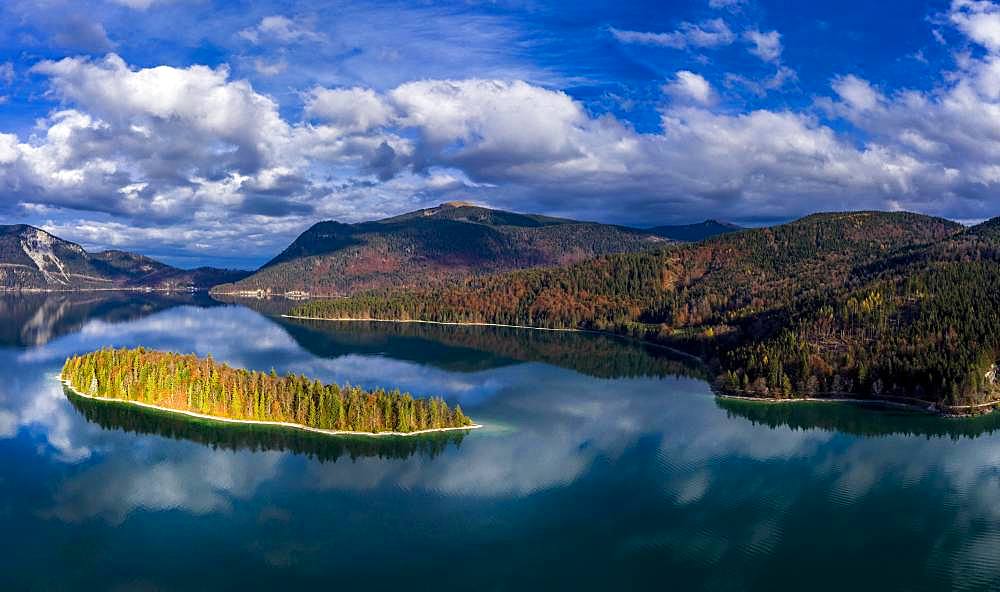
(201, 385)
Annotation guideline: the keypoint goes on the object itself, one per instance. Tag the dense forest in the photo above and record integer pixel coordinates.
(201, 385)
(866, 304)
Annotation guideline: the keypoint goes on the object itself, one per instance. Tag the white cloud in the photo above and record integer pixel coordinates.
(675, 39)
(351, 109)
(8, 148)
(511, 124)
(265, 68)
(193, 153)
(281, 29)
(766, 46)
(760, 87)
(979, 20)
(688, 86)
(710, 33)
(857, 93)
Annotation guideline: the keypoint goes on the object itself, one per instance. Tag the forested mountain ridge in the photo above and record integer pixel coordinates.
(694, 232)
(434, 245)
(864, 304)
(32, 259)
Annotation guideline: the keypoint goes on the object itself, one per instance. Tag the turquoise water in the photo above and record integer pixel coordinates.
(605, 464)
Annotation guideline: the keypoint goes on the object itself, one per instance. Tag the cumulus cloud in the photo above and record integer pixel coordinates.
(352, 109)
(710, 33)
(688, 86)
(766, 46)
(488, 124)
(856, 93)
(191, 144)
(979, 19)
(196, 153)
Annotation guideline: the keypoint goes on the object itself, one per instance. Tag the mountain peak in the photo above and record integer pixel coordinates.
(453, 240)
(35, 259)
(695, 232)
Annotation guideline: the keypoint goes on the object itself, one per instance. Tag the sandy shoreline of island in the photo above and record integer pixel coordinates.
(283, 424)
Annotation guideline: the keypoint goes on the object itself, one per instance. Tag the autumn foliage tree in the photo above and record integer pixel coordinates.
(201, 385)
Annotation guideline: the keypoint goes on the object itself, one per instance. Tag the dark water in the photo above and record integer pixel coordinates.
(605, 465)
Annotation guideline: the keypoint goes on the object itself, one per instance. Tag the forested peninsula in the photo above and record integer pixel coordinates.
(872, 305)
(202, 387)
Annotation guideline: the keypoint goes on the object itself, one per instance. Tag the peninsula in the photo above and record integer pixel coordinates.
(201, 387)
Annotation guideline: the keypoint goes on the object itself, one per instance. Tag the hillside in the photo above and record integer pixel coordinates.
(34, 260)
(863, 304)
(448, 242)
(694, 232)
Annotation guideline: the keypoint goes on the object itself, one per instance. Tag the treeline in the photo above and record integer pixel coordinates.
(255, 437)
(201, 385)
(863, 304)
(930, 331)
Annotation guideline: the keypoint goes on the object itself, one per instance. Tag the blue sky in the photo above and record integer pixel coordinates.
(201, 131)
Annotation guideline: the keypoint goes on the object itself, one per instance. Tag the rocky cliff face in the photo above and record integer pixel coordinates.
(32, 259)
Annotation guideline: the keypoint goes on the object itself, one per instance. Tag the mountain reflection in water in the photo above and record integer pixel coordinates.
(604, 464)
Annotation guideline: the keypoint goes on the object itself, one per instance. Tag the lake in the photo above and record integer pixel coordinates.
(603, 464)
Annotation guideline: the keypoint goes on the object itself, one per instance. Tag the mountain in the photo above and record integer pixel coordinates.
(877, 305)
(694, 232)
(32, 259)
(434, 245)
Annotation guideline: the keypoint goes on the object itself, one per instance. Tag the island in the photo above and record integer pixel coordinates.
(203, 388)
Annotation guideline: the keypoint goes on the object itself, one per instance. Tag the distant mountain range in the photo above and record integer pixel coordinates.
(447, 242)
(434, 245)
(32, 259)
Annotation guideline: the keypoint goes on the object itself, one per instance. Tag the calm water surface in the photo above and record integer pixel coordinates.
(604, 465)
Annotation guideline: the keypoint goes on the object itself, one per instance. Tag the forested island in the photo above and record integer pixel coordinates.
(202, 387)
(874, 305)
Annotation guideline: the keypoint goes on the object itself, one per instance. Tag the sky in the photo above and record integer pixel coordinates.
(210, 132)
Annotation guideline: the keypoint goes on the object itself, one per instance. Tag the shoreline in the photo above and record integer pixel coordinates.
(260, 422)
(928, 407)
(477, 324)
(464, 324)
